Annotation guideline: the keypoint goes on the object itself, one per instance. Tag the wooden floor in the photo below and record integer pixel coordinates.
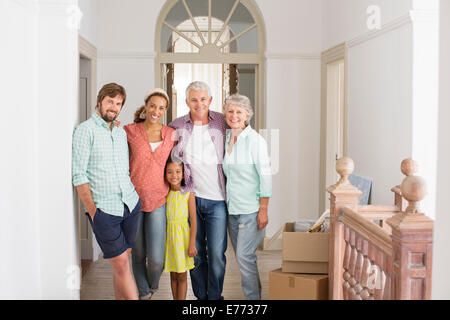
(97, 284)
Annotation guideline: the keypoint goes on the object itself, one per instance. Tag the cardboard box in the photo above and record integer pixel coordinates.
(304, 252)
(294, 286)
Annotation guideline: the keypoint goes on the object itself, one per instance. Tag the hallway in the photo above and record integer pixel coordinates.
(97, 284)
(396, 70)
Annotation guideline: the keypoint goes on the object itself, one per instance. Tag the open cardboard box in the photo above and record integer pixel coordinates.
(304, 252)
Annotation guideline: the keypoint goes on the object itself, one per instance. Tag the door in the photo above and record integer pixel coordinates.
(335, 106)
(85, 231)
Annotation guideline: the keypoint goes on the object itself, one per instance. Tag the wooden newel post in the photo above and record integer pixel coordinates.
(408, 167)
(412, 245)
(342, 194)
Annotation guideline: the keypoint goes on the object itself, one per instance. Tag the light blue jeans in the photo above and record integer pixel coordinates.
(245, 238)
(208, 275)
(148, 253)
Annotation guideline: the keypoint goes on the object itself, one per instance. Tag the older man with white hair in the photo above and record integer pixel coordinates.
(201, 140)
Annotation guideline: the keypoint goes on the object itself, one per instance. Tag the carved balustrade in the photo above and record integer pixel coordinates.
(379, 252)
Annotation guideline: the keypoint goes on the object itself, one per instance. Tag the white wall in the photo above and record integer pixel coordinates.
(135, 74)
(380, 76)
(292, 84)
(134, 28)
(379, 109)
(392, 95)
(39, 71)
(292, 26)
(126, 48)
(441, 254)
(426, 96)
(293, 88)
(57, 113)
(346, 19)
(19, 263)
(89, 22)
(293, 106)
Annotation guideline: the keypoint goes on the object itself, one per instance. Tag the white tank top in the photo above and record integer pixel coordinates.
(155, 145)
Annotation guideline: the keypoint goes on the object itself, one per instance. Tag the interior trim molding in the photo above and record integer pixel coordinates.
(388, 27)
(411, 17)
(127, 55)
(292, 56)
(334, 53)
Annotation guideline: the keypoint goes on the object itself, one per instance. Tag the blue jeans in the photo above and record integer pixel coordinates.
(149, 250)
(211, 242)
(245, 238)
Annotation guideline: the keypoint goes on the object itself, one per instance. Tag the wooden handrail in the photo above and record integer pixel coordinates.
(368, 230)
(377, 209)
(401, 247)
(377, 215)
(396, 190)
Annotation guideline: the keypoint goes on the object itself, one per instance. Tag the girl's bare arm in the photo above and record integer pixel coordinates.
(193, 219)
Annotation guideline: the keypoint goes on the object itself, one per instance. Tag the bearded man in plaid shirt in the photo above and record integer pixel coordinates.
(100, 173)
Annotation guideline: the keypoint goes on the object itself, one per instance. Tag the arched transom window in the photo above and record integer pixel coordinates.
(226, 32)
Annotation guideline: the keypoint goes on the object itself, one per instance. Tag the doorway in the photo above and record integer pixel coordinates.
(88, 249)
(229, 34)
(223, 79)
(333, 118)
(85, 231)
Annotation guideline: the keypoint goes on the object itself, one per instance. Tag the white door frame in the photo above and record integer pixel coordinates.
(329, 120)
(88, 51)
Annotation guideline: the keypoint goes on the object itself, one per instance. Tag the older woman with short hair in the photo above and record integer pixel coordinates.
(246, 165)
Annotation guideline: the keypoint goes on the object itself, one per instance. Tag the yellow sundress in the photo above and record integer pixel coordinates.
(178, 233)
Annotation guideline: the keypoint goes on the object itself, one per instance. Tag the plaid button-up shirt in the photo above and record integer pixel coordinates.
(100, 158)
(217, 127)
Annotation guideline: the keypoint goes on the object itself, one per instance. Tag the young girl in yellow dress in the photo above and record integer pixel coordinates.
(180, 241)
